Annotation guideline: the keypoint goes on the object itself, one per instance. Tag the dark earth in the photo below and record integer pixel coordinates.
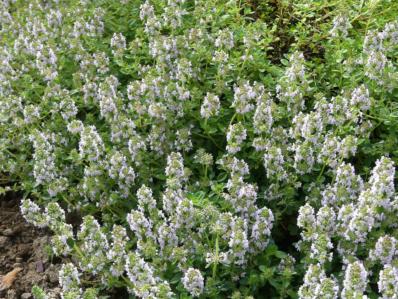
(23, 246)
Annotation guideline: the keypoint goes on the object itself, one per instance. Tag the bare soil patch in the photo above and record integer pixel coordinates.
(23, 246)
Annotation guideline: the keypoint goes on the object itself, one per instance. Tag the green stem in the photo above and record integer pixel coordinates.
(232, 119)
(321, 173)
(216, 263)
(376, 118)
(67, 201)
(78, 251)
(128, 282)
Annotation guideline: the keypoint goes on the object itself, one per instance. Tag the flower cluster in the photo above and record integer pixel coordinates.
(204, 149)
(353, 215)
(54, 218)
(193, 282)
(293, 86)
(376, 51)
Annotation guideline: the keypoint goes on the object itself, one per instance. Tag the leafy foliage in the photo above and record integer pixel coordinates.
(209, 149)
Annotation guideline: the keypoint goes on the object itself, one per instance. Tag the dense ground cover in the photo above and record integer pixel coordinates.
(208, 149)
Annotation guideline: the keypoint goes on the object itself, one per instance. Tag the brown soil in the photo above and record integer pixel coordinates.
(23, 246)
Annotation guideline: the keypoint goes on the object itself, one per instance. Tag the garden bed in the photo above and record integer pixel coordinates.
(23, 246)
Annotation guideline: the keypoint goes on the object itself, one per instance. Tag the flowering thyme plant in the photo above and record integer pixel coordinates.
(210, 149)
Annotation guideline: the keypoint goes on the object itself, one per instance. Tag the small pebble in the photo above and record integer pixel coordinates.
(3, 241)
(52, 276)
(17, 265)
(8, 232)
(54, 293)
(19, 260)
(11, 294)
(26, 296)
(39, 267)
